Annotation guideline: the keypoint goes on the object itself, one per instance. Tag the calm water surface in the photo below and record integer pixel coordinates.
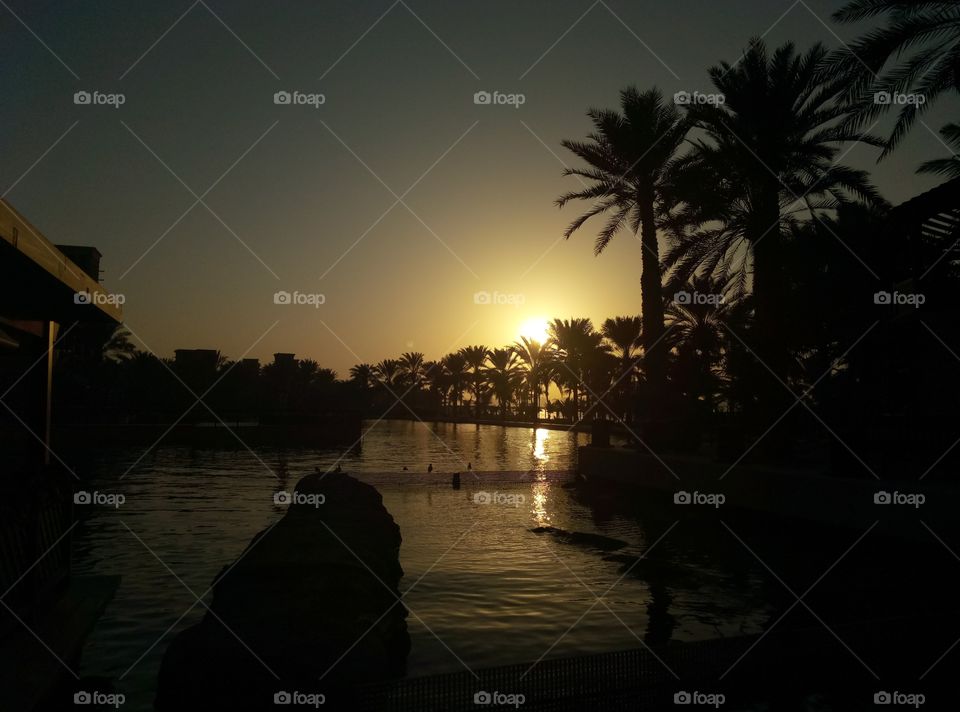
(491, 592)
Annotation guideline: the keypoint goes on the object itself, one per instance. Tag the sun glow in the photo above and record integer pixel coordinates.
(535, 328)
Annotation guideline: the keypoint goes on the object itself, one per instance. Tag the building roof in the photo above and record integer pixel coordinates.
(39, 282)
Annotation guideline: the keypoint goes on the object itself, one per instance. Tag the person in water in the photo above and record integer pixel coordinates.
(430, 467)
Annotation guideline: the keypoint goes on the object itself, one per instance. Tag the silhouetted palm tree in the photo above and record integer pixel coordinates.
(363, 374)
(537, 362)
(455, 365)
(504, 376)
(624, 336)
(475, 358)
(388, 373)
(946, 166)
(438, 379)
(770, 146)
(628, 154)
(923, 40)
(412, 369)
(574, 342)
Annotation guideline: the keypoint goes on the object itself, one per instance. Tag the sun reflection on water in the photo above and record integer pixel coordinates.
(541, 487)
(541, 435)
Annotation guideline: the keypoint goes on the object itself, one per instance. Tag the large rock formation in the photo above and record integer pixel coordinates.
(313, 599)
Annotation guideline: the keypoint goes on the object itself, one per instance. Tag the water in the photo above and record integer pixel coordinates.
(484, 589)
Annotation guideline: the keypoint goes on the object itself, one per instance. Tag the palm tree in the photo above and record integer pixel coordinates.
(475, 358)
(536, 361)
(575, 344)
(770, 146)
(946, 166)
(438, 379)
(455, 365)
(628, 155)
(388, 373)
(624, 334)
(363, 374)
(923, 40)
(412, 369)
(503, 375)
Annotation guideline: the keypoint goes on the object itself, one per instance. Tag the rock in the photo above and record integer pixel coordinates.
(597, 541)
(310, 606)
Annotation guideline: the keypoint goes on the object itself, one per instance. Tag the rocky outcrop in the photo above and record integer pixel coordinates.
(595, 541)
(311, 607)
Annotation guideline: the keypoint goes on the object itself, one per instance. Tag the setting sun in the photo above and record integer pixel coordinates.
(535, 328)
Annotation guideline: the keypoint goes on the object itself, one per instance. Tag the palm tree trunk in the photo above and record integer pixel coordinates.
(654, 351)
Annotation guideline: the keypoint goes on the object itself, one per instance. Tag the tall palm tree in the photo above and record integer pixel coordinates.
(475, 358)
(574, 343)
(922, 38)
(363, 374)
(628, 154)
(438, 379)
(455, 365)
(388, 373)
(624, 334)
(770, 146)
(412, 369)
(536, 361)
(946, 166)
(504, 376)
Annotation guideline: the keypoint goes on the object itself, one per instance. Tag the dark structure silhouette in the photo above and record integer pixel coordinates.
(300, 598)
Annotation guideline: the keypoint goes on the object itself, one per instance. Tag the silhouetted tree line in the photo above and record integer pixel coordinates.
(746, 193)
(762, 254)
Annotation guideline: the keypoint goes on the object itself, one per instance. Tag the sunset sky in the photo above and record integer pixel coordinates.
(305, 204)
